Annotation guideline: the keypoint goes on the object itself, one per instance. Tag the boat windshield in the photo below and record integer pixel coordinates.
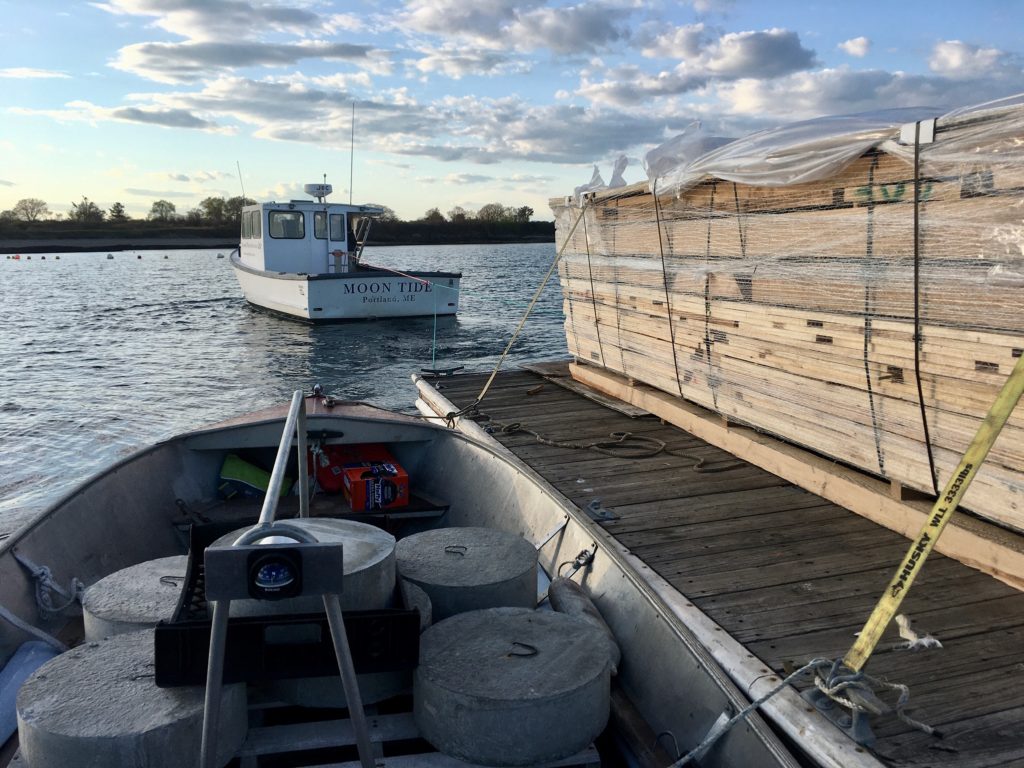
(287, 224)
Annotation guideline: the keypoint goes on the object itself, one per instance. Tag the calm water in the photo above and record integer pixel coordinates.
(100, 357)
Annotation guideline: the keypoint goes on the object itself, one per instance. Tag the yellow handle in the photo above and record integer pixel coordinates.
(941, 513)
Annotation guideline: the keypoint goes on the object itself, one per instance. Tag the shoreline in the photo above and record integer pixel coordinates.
(99, 244)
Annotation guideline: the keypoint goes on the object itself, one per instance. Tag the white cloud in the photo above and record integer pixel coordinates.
(466, 178)
(191, 62)
(734, 56)
(962, 61)
(198, 177)
(5, 183)
(844, 91)
(521, 25)
(343, 81)
(84, 111)
(569, 29)
(680, 43)
(27, 73)
(523, 178)
(225, 20)
(165, 193)
(482, 21)
(713, 6)
(857, 47)
(457, 62)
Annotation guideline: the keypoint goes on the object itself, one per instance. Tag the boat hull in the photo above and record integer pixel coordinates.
(365, 294)
(684, 692)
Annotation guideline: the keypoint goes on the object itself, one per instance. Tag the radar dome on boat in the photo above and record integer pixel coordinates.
(318, 190)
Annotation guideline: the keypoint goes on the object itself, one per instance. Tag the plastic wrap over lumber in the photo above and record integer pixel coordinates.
(815, 311)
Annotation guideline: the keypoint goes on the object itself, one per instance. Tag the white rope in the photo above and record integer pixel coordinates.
(717, 732)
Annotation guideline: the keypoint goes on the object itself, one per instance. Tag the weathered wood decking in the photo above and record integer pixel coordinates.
(788, 574)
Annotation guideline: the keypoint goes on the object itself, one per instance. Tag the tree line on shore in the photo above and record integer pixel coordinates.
(218, 211)
(220, 217)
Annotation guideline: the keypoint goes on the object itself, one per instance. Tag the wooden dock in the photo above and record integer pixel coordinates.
(787, 573)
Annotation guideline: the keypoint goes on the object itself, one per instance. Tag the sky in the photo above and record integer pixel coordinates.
(456, 102)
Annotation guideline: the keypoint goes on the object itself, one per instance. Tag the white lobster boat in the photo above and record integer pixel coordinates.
(303, 259)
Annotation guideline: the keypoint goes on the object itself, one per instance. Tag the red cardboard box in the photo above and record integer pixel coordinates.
(369, 476)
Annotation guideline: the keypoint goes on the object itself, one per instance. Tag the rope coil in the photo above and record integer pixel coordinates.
(618, 445)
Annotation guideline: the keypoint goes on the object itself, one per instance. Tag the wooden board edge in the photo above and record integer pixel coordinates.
(974, 543)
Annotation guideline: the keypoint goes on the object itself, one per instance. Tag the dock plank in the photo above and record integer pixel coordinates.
(787, 573)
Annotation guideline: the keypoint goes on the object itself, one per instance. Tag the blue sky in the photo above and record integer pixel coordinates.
(458, 102)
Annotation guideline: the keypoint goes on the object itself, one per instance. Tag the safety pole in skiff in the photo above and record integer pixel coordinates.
(272, 561)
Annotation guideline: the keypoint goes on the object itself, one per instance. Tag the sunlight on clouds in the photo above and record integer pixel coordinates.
(200, 20)
(27, 73)
(480, 84)
(174, 63)
(457, 62)
(681, 43)
(84, 111)
(523, 26)
(844, 91)
(734, 56)
(857, 47)
(482, 21)
(466, 178)
(962, 61)
(342, 81)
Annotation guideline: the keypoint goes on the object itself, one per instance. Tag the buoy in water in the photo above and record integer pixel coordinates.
(139, 256)
(110, 255)
(17, 257)
(165, 255)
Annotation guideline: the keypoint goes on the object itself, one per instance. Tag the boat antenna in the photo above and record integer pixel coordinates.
(241, 183)
(352, 153)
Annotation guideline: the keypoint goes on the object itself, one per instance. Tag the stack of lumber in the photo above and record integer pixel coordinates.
(793, 309)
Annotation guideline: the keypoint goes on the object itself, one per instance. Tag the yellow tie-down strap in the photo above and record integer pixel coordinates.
(940, 514)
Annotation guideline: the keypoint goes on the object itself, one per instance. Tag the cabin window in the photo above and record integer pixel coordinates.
(320, 225)
(257, 223)
(338, 227)
(246, 225)
(289, 225)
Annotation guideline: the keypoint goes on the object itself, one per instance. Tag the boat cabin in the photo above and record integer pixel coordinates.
(305, 236)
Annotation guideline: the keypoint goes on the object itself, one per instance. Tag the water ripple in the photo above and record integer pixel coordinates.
(102, 357)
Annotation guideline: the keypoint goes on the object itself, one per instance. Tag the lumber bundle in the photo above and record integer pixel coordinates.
(818, 312)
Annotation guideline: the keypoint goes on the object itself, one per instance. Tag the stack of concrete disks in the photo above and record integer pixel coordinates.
(466, 569)
(99, 705)
(511, 686)
(137, 597)
(368, 555)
